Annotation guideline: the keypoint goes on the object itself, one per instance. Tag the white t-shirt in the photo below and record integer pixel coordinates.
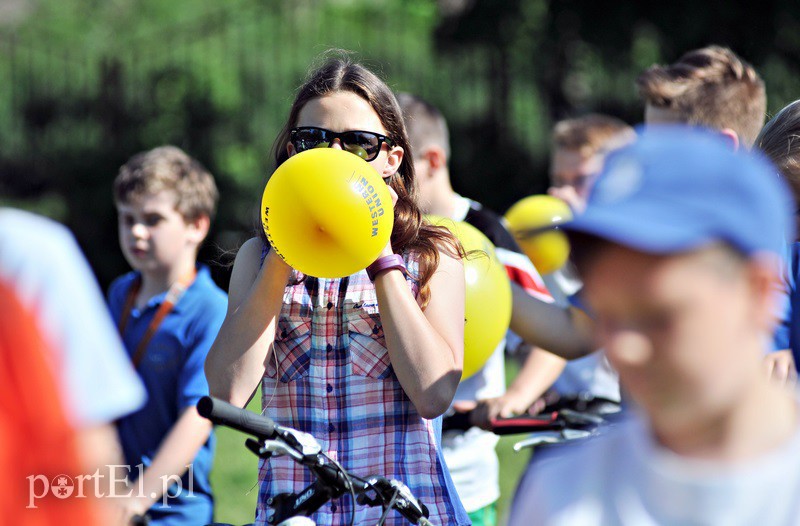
(43, 263)
(470, 456)
(624, 478)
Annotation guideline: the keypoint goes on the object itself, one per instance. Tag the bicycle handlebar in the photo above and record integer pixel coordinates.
(508, 426)
(221, 412)
(574, 412)
(332, 480)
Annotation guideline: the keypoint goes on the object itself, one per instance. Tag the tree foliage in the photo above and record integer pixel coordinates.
(90, 82)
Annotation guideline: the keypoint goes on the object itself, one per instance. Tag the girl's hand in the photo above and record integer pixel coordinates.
(273, 260)
(278, 268)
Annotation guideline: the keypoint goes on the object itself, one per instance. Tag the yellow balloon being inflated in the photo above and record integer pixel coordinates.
(327, 213)
(488, 295)
(531, 220)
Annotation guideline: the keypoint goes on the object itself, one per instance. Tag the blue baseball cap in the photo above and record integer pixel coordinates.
(678, 188)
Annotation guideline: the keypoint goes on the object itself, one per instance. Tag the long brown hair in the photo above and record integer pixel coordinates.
(411, 233)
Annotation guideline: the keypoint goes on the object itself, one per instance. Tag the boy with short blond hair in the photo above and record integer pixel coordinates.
(587, 134)
(710, 87)
(168, 311)
(578, 145)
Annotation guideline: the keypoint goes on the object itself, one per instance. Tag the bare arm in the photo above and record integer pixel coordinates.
(237, 360)
(538, 372)
(174, 455)
(100, 450)
(426, 349)
(564, 331)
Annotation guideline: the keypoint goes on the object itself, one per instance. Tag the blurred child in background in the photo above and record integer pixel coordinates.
(680, 249)
(64, 379)
(470, 455)
(711, 87)
(579, 146)
(168, 311)
(779, 141)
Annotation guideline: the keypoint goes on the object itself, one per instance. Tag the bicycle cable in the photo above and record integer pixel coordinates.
(349, 480)
(389, 506)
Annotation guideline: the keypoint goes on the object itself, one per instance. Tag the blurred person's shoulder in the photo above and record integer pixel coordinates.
(42, 261)
(27, 233)
(36, 252)
(576, 483)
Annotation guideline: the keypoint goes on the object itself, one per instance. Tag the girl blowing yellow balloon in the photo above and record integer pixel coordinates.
(338, 228)
(365, 362)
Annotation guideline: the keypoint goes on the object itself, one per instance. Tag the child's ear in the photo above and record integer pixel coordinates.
(392, 162)
(436, 157)
(763, 273)
(732, 137)
(198, 228)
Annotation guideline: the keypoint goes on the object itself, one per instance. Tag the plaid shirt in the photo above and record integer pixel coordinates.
(330, 376)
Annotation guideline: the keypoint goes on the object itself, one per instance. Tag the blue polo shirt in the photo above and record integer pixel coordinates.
(172, 372)
(790, 329)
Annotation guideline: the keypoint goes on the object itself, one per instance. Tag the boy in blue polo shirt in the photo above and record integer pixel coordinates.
(168, 311)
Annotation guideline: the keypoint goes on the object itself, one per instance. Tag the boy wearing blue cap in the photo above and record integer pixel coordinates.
(679, 248)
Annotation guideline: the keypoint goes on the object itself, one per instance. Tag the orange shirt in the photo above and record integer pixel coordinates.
(38, 446)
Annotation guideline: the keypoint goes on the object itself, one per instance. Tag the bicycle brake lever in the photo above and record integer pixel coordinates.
(255, 446)
(575, 417)
(279, 448)
(363, 500)
(408, 498)
(537, 440)
(270, 448)
(306, 442)
(565, 435)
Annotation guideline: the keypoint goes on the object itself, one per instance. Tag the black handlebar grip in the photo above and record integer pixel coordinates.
(527, 424)
(221, 412)
(459, 421)
(508, 426)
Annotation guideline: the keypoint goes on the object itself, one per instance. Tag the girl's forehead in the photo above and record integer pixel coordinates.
(340, 111)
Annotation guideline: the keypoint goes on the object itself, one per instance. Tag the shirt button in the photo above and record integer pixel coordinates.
(333, 507)
(329, 348)
(330, 305)
(331, 428)
(329, 388)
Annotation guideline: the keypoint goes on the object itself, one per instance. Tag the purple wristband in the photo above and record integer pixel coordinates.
(386, 263)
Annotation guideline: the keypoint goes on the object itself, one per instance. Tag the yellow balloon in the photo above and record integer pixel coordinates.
(488, 295)
(531, 220)
(327, 213)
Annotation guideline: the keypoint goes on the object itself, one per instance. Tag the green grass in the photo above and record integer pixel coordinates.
(235, 474)
(512, 466)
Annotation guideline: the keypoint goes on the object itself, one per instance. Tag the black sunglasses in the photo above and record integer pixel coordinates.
(365, 144)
